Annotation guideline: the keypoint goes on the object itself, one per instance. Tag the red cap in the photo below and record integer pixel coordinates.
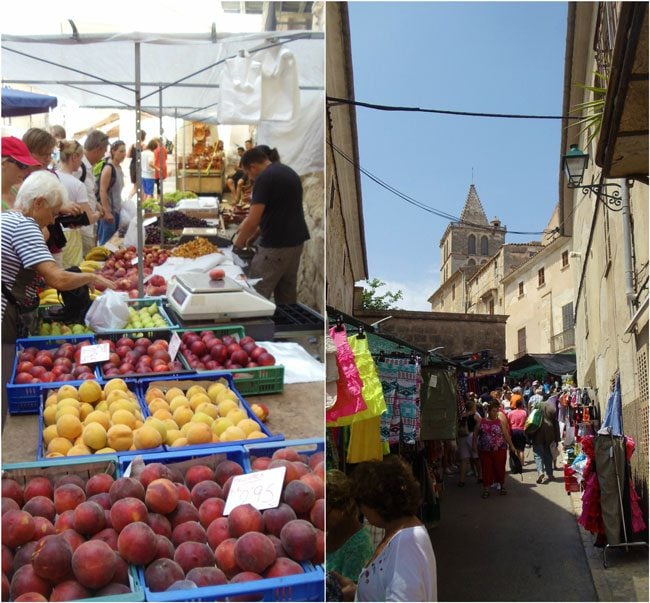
(16, 149)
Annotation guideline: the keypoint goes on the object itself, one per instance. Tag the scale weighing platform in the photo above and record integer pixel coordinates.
(194, 296)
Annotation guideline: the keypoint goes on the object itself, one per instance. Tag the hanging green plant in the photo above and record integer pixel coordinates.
(592, 110)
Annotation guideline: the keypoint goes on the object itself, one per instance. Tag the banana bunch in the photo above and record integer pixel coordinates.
(94, 294)
(90, 265)
(49, 297)
(100, 254)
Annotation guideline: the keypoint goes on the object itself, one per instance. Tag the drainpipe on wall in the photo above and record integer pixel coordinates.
(630, 294)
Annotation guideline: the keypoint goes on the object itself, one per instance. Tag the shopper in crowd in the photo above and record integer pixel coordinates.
(537, 395)
(517, 420)
(148, 168)
(239, 174)
(515, 396)
(248, 145)
(160, 160)
(547, 435)
(348, 545)
(111, 183)
(277, 216)
(59, 134)
(40, 144)
(403, 567)
(492, 440)
(505, 399)
(16, 164)
(132, 164)
(70, 157)
(468, 456)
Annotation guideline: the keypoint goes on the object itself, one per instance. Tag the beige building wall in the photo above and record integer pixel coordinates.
(451, 295)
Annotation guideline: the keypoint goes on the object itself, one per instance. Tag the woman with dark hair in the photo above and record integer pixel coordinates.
(111, 183)
(272, 154)
(517, 420)
(403, 567)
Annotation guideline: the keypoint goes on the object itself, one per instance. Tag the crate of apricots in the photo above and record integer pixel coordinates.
(202, 412)
(96, 418)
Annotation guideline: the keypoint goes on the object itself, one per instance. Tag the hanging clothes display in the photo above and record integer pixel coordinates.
(400, 379)
(365, 442)
(438, 403)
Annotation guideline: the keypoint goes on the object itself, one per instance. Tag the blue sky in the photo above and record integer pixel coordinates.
(466, 56)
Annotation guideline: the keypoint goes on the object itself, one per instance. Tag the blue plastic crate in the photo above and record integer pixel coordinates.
(26, 399)
(133, 386)
(305, 447)
(211, 377)
(135, 584)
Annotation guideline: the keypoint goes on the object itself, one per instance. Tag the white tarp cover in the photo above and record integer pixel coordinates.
(99, 71)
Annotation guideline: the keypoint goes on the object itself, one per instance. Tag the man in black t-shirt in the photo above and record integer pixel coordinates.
(276, 215)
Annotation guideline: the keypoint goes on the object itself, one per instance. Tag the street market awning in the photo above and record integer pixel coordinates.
(555, 364)
(21, 102)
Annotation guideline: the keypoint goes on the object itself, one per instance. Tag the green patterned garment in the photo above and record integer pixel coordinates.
(352, 557)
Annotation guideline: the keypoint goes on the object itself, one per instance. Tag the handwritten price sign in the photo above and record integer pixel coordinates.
(174, 344)
(94, 353)
(261, 489)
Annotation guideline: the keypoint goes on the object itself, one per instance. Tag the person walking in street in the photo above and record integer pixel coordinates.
(16, 164)
(492, 440)
(466, 452)
(111, 183)
(546, 435)
(517, 421)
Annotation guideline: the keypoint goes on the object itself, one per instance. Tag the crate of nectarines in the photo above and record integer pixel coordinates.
(97, 418)
(194, 543)
(58, 538)
(205, 410)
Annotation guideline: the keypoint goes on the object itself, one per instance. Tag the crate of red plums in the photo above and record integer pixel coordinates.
(190, 546)
(227, 348)
(45, 362)
(58, 539)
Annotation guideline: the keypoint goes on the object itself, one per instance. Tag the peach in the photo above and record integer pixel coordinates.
(226, 487)
(298, 538)
(244, 518)
(126, 487)
(301, 468)
(283, 566)
(6, 587)
(160, 525)
(217, 532)
(40, 506)
(254, 552)
(204, 490)
(207, 576)
(288, 454)
(113, 589)
(99, 483)
(93, 564)
(261, 463)
(226, 469)
(319, 555)
(154, 471)
(279, 549)
(161, 574)
(108, 535)
(210, 509)
(319, 469)
(12, 489)
(52, 558)
(126, 511)
(224, 555)
(121, 575)
(314, 459)
(24, 554)
(17, 528)
(74, 539)
(70, 590)
(164, 548)
(193, 554)
(247, 596)
(315, 483)
(274, 519)
(317, 514)
(64, 521)
(31, 597)
(25, 580)
(38, 486)
(67, 497)
(182, 585)
(184, 511)
(137, 543)
(103, 499)
(9, 504)
(198, 473)
(189, 531)
(7, 560)
(42, 527)
(77, 480)
(161, 496)
(291, 473)
(88, 518)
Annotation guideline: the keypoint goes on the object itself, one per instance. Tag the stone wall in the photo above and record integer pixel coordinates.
(458, 333)
(458, 248)
(311, 274)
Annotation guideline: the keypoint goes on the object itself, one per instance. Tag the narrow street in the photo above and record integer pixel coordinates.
(524, 546)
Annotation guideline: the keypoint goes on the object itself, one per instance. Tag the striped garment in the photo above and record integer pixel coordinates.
(23, 246)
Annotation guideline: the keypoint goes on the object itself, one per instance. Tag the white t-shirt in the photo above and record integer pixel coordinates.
(78, 193)
(147, 157)
(404, 571)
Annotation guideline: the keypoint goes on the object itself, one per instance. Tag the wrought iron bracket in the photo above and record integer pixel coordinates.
(612, 201)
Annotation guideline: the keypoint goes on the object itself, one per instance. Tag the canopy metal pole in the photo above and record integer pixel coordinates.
(160, 168)
(138, 172)
(176, 147)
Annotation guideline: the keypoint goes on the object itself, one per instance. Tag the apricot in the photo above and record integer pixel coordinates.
(244, 518)
(115, 384)
(137, 543)
(162, 573)
(94, 436)
(199, 432)
(90, 391)
(193, 554)
(59, 445)
(254, 552)
(93, 564)
(120, 437)
(68, 426)
(17, 528)
(147, 436)
(52, 558)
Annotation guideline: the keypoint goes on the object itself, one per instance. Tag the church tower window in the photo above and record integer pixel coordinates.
(471, 245)
(484, 245)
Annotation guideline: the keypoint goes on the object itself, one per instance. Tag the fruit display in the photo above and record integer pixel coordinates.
(205, 351)
(152, 235)
(90, 265)
(120, 269)
(92, 419)
(186, 542)
(57, 539)
(177, 220)
(34, 365)
(138, 356)
(200, 413)
(197, 247)
(59, 328)
(99, 254)
(147, 317)
(50, 297)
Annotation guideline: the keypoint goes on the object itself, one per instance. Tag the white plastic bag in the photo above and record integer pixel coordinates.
(108, 312)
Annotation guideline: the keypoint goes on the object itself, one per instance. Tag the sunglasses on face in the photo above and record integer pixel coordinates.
(19, 164)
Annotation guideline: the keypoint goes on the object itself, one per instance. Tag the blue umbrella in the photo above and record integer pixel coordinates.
(19, 102)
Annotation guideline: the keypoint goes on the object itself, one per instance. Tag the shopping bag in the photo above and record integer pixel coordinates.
(515, 463)
(109, 312)
(533, 422)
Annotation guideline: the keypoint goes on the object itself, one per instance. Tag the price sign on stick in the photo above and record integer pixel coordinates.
(174, 344)
(94, 353)
(261, 489)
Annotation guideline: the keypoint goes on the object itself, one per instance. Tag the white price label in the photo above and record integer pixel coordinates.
(94, 353)
(134, 261)
(174, 344)
(262, 489)
(433, 381)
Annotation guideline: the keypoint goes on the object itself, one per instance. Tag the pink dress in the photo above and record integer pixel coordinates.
(490, 436)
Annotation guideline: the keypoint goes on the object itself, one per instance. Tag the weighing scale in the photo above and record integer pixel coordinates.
(194, 296)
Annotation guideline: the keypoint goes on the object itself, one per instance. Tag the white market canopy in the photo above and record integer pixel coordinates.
(177, 75)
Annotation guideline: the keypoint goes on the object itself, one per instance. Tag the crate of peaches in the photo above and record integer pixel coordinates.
(202, 411)
(96, 418)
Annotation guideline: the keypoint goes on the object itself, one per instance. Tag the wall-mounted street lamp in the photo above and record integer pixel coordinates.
(575, 164)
